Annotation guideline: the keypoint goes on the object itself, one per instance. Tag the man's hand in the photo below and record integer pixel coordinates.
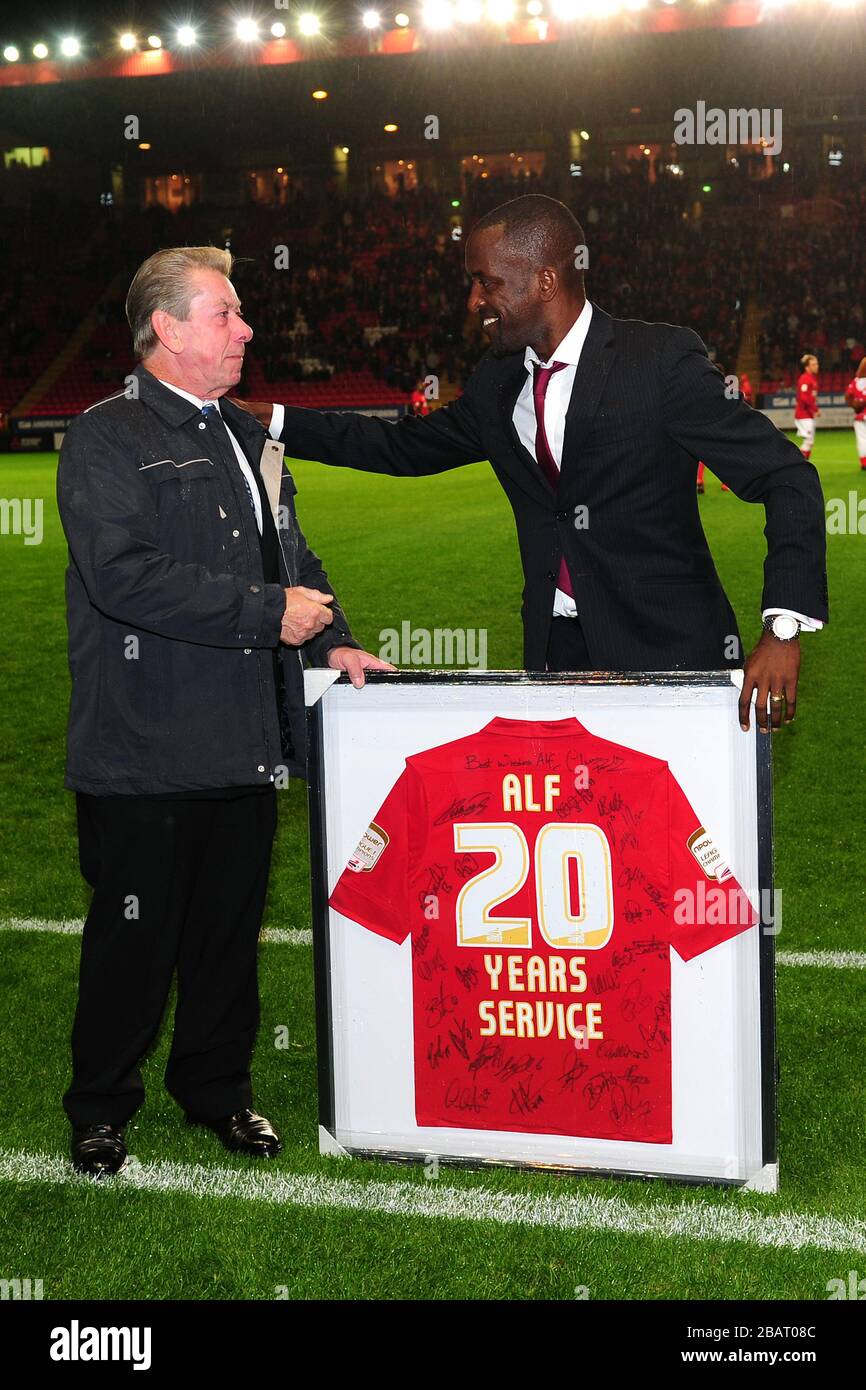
(355, 663)
(772, 670)
(262, 410)
(305, 615)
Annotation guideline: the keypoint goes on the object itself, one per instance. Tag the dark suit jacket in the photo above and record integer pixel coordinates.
(646, 405)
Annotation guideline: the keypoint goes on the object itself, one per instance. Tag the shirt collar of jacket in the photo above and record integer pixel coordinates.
(177, 408)
(570, 348)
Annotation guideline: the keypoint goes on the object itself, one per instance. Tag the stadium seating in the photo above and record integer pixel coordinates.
(374, 296)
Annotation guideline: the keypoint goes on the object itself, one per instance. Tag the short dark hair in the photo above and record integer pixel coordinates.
(542, 229)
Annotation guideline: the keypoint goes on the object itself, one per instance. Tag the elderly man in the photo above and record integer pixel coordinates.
(193, 603)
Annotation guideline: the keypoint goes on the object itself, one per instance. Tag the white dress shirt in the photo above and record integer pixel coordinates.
(559, 389)
(278, 420)
(239, 453)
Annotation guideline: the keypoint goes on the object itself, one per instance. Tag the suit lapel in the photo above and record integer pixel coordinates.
(264, 454)
(595, 362)
(520, 462)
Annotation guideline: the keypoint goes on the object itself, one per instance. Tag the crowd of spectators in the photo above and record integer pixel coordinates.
(382, 285)
(335, 285)
(812, 287)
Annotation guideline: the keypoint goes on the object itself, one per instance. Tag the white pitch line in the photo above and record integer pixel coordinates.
(299, 936)
(66, 928)
(698, 1221)
(282, 936)
(835, 960)
(288, 936)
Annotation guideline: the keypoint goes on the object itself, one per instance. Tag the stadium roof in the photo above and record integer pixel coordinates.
(156, 47)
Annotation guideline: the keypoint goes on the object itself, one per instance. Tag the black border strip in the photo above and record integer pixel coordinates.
(320, 915)
(766, 944)
(467, 677)
(479, 1162)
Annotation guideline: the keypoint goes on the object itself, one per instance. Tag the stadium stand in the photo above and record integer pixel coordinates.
(373, 295)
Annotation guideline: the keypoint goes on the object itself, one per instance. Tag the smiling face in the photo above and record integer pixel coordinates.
(507, 293)
(205, 351)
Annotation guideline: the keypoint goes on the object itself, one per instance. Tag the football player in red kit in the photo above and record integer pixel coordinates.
(855, 395)
(418, 402)
(806, 406)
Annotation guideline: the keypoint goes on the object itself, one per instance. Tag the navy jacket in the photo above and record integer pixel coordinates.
(647, 403)
(172, 627)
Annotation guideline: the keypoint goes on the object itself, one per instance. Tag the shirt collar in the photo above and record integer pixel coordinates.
(535, 728)
(187, 395)
(570, 347)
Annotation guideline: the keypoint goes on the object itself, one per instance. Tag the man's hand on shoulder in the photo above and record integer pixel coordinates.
(772, 670)
(262, 410)
(355, 663)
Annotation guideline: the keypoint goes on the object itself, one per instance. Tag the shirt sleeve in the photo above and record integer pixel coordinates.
(807, 624)
(373, 889)
(278, 420)
(709, 905)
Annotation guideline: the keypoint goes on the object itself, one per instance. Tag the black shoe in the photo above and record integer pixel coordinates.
(700, 487)
(99, 1150)
(244, 1132)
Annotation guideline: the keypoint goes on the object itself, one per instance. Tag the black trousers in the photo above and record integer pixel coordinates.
(566, 646)
(178, 884)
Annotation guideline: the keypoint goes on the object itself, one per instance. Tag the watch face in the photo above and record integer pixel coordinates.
(785, 628)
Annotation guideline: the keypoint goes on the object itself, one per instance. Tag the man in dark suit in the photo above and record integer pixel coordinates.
(193, 603)
(593, 426)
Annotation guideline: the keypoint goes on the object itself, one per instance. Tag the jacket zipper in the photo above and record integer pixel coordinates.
(257, 651)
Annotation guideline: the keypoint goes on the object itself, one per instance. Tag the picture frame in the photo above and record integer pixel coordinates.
(723, 1077)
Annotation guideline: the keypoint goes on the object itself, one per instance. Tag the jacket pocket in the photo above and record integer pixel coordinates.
(678, 580)
(173, 471)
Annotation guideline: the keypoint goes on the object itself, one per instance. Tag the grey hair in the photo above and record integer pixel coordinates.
(164, 281)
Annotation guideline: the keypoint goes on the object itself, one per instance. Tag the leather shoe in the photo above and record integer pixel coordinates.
(99, 1150)
(244, 1132)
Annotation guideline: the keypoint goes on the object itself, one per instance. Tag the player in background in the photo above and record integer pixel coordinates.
(418, 402)
(855, 395)
(746, 389)
(806, 406)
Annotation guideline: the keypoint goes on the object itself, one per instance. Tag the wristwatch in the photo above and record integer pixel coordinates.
(783, 626)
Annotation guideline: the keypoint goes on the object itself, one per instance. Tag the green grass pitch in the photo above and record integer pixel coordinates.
(440, 553)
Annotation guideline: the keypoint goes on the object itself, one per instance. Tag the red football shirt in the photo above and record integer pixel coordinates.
(543, 874)
(806, 403)
(857, 389)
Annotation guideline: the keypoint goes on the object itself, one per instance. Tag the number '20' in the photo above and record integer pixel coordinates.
(555, 846)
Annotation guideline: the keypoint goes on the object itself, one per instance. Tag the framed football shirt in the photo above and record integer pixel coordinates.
(537, 910)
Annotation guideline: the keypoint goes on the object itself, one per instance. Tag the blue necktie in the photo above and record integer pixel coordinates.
(214, 417)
